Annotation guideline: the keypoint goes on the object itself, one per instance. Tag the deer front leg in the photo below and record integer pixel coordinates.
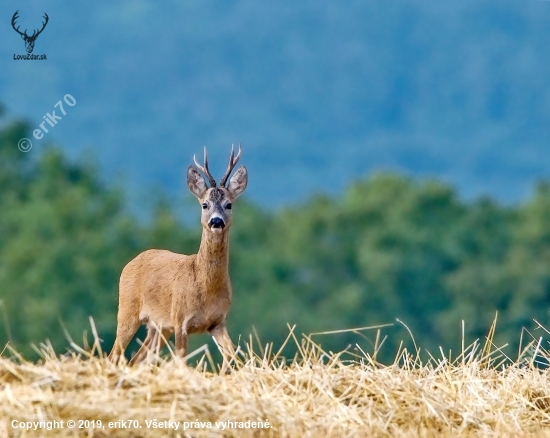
(181, 342)
(219, 333)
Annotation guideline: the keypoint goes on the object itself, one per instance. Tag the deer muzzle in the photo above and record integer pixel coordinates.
(216, 223)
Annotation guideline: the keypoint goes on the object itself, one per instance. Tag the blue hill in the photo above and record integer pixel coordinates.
(318, 92)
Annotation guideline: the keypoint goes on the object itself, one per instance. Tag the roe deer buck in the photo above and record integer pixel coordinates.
(179, 293)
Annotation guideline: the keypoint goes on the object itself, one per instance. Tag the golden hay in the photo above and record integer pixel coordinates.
(316, 394)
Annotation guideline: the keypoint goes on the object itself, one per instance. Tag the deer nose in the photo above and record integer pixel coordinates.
(216, 222)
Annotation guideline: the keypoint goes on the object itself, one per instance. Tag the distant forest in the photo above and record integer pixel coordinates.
(458, 89)
(387, 247)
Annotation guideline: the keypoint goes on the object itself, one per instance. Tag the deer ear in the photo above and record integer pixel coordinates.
(238, 182)
(195, 182)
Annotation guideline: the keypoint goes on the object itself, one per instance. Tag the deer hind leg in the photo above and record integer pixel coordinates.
(220, 335)
(150, 340)
(154, 343)
(126, 329)
(123, 338)
(162, 340)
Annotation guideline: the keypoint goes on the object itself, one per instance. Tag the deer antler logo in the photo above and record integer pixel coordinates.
(29, 39)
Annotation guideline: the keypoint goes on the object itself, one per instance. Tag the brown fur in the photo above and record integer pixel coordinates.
(182, 294)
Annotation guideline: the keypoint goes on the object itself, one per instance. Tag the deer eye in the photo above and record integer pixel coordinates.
(228, 206)
(204, 205)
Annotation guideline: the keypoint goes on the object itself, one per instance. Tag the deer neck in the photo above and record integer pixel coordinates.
(212, 257)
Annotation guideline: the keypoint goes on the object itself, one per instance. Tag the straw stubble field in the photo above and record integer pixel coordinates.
(313, 394)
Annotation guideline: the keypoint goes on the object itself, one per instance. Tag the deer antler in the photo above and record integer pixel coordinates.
(35, 34)
(14, 18)
(232, 162)
(205, 169)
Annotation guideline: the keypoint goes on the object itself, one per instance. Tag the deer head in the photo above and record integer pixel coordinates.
(29, 40)
(217, 201)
